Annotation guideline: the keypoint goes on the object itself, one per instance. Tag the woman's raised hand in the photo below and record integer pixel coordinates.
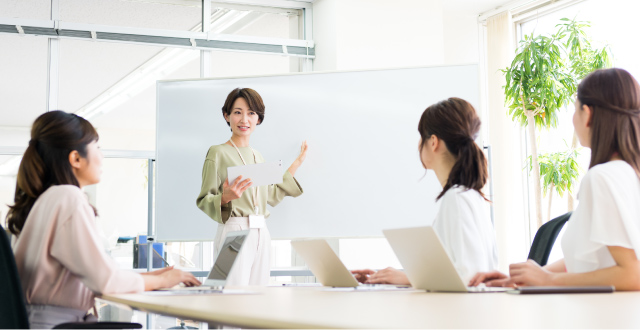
(301, 157)
(235, 190)
(303, 152)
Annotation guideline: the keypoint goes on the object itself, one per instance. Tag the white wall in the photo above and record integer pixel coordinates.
(460, 37)
(14, 136)
(325, 31)
(10, 137)
(7, 192)
(121, 198)
(364, 34)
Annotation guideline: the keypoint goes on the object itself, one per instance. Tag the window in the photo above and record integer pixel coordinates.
(23, 63)
(167, 15)
(610, 25)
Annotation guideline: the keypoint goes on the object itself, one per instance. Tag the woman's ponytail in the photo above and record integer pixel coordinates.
(469, 170)
(31, 172)
(455, 122)
(30, 182)
(46, 161)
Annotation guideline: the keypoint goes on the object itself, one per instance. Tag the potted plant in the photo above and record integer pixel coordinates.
(541, 80)
(538, 85)
(583, 59)
(558, 171)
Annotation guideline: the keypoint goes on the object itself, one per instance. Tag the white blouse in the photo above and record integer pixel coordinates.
(608, 214)
(466, 231)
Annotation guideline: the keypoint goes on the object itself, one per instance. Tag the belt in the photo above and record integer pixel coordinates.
(253, 221)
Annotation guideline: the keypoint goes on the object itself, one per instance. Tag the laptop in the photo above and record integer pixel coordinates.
(426, 262)
(223, 265)
(325, 264)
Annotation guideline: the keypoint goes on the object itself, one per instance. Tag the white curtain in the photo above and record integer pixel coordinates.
(505, 138)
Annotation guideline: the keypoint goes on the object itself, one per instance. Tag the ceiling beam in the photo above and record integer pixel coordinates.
(157, 37)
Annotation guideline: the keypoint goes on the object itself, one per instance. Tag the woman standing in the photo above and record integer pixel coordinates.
(60, 261)
(601, 244)
(227, 203)
(448, 130)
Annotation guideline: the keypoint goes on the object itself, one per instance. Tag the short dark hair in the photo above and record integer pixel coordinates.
(251, 96)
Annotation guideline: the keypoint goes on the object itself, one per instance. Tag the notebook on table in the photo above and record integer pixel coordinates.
(426, 262)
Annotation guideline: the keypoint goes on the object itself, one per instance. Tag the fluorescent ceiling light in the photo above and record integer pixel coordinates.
(160, 66)
(156, 68)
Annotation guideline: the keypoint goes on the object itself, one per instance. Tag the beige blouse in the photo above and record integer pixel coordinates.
(214, 174)
(60, 260)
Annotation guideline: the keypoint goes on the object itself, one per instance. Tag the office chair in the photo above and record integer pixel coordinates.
(13, 310)
(13, 313)
(183, 326)
(545, 238)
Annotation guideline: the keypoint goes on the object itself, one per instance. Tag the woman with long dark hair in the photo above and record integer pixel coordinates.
(447, 133)
(601, 243)
(59, 258)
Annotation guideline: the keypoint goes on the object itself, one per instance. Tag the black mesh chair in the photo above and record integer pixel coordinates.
(13, 311)
(545, 238)
(13, 314)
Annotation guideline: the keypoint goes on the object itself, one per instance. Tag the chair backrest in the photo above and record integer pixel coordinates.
(545, 238)
(13, 311)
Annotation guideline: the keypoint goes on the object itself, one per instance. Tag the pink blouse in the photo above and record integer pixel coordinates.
(59, 257)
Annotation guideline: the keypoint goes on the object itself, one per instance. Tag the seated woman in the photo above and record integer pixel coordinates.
(602, 237)
(447, 130)
(60, 261)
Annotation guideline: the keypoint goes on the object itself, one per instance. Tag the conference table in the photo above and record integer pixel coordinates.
(322, 307)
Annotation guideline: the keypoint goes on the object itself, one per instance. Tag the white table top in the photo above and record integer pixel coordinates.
(316, 307)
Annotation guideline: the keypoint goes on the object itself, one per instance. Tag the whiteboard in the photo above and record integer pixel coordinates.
(362, 173)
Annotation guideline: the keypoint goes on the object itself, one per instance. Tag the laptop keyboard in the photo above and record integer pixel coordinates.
(380, 287)
(486, 289)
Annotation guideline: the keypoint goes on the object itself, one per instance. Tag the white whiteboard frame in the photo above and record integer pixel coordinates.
(215, 107)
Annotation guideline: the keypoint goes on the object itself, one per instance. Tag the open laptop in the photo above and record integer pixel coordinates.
(325, 264)
(225, 260)
(426, 262)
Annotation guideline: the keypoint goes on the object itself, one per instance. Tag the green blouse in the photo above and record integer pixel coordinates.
(214, 174)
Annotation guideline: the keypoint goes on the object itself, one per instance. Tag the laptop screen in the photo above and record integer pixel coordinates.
(226, 257)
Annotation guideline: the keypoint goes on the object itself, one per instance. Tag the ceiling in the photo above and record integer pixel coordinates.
(86, 69)
(474, 6)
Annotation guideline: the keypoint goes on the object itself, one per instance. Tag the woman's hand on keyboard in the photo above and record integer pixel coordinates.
(389, 275)
(492, 278)
(362, 275)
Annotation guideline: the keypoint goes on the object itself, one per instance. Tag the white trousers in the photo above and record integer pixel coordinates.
(252, 265)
